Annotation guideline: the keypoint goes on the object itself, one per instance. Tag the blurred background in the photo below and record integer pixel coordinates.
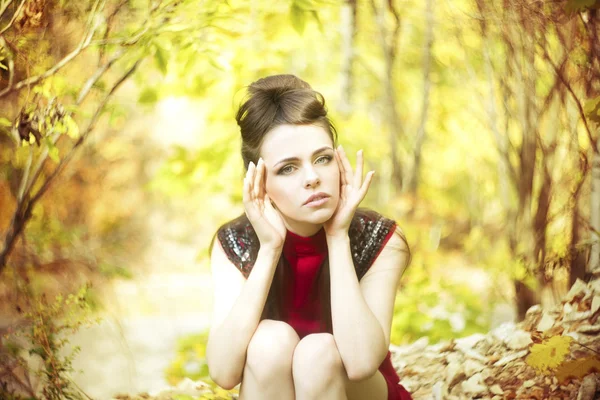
(120, 157)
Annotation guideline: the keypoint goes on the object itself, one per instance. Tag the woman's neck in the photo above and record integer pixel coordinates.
(304, 229)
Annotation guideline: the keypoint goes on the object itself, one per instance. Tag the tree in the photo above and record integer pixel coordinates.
(61, 64)
(534, 116)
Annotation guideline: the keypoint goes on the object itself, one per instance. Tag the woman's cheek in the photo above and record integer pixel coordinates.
(275, 194)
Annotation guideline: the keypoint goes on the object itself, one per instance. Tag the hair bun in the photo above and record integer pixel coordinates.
(281, 83)
(276, 100)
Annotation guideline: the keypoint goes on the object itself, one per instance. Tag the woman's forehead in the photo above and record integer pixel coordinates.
(294, 141)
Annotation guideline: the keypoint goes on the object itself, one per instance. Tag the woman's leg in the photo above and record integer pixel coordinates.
(318, 369)
(268, 370)
(319, 373)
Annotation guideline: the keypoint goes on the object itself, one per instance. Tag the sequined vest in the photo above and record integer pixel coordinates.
(367, 233)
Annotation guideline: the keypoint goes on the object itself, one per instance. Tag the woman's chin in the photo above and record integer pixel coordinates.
(321, 216)
(315, 217)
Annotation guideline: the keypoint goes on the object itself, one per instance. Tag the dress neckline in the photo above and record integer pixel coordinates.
(296, 245)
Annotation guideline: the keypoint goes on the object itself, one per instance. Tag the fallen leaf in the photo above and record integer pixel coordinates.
(577, 368)
(549, 354)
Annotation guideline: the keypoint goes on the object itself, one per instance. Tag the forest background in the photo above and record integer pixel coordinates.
(120, 157)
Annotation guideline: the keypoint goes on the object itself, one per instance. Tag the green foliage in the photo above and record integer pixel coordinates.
(435, 308)
(300, 10)
(592, 109)
(190, 360)
(110, 271)
(44, 120)
(43, 335)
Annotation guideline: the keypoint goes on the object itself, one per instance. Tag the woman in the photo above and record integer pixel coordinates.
(309, 316)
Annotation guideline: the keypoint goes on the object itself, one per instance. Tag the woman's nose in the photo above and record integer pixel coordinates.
(311, 180)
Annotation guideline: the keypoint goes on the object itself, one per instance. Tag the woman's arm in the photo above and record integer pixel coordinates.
(362, 311)
(238, 305)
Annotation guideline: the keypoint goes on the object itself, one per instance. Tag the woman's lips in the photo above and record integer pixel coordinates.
(317, 202)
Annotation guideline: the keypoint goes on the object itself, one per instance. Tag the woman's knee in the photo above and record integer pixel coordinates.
(317, 358)
(271, 349)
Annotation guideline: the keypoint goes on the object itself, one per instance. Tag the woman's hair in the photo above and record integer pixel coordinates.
(277, 100)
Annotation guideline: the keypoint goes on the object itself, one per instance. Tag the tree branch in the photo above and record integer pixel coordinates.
(5, 7)
(85, 42)
(11, 62)
(503, 144)
(109, 20)
(85, 134)
(575, 98)
(25, 206)
(87, 86)
(14, 17)
(25, 176)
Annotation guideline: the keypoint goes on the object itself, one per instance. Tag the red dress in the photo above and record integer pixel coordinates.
(305, 256)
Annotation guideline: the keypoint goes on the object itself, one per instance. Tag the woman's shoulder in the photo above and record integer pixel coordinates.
(239, 242)
(369, 232)
(370, 222)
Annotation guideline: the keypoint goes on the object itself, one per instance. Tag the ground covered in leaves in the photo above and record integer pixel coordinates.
(552, 354)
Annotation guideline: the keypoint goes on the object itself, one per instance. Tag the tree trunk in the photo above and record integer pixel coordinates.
(577, 260)
(348, 30)
(526, 230)
(421, 131)
(576, 256)
(525, 299)
(540, 224)
(392, 118)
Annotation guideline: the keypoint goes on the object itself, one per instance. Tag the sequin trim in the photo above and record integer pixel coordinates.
(368, 233)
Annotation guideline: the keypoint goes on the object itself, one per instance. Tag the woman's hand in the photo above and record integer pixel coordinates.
(352, 191)
(265, 219)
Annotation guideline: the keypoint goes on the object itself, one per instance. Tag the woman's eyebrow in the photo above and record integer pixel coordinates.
(288, 159)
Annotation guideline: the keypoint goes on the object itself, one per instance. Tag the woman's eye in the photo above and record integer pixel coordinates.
(323, 160)
(286, 170)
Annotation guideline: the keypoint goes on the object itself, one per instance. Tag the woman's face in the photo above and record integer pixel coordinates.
(300, 163)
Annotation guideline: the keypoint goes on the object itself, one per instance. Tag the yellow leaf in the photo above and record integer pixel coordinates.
(72, 128)
(549, 354)
(577, 368)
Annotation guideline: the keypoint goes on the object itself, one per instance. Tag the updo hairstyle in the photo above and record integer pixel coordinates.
(277, 100)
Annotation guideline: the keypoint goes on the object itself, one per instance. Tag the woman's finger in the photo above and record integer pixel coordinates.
(250, 177)
(246, 190)
(366, 184)
(263, 183)
(358, 174)
(246, 193)
(249, 205)
(257, 182)
(341, 167)
(347, 167)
